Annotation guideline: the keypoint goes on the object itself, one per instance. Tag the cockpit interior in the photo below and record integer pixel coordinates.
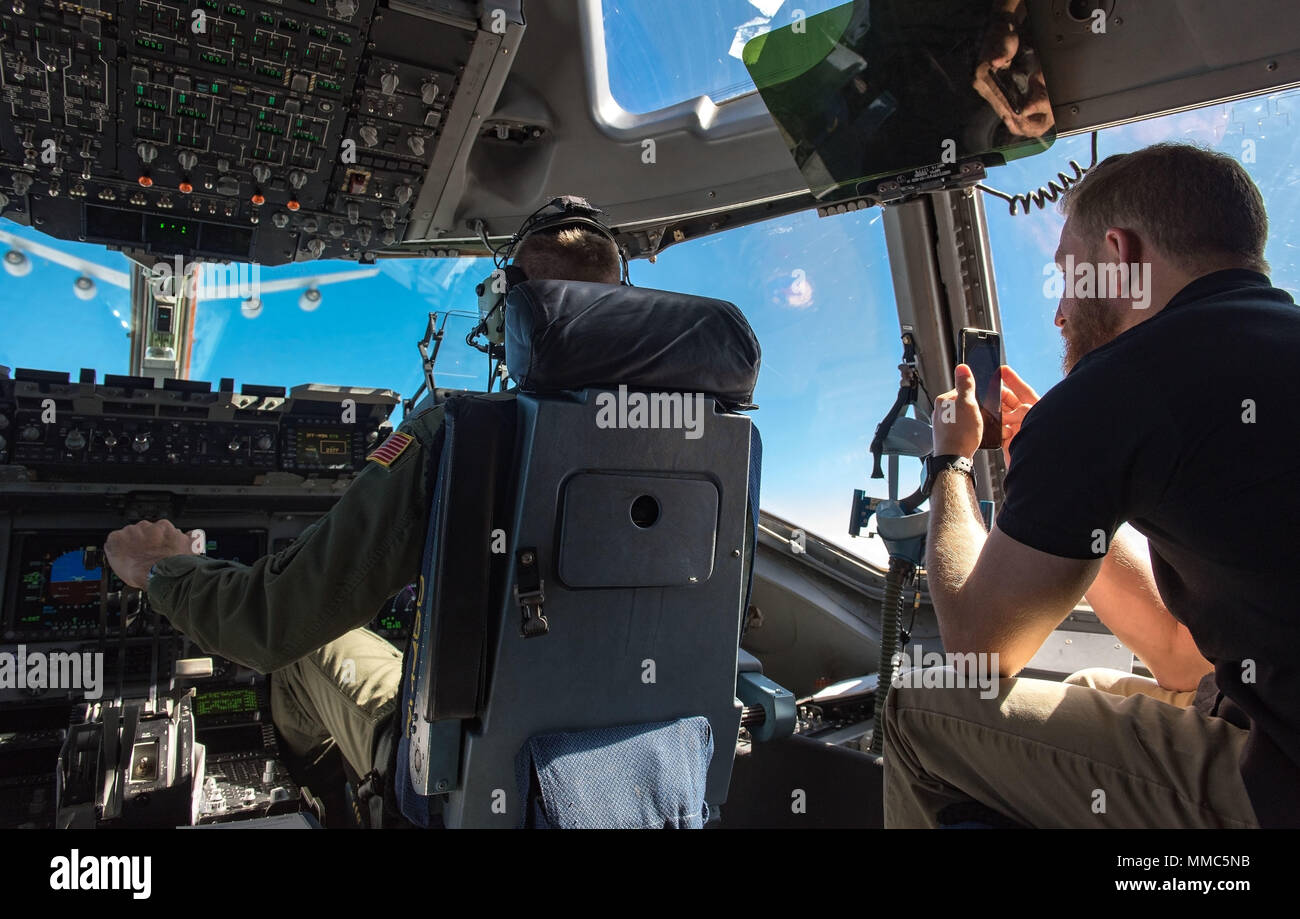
(247, 243)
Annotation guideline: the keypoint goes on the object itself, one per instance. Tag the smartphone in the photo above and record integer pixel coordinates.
(981, 351)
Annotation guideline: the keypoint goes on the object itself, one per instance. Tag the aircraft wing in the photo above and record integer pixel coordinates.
(286, 284)
(81, 266)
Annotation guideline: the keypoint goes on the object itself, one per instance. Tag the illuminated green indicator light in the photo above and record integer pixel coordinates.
(216, 87)
(270, 100)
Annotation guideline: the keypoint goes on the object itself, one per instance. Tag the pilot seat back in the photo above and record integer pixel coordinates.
(587, 563)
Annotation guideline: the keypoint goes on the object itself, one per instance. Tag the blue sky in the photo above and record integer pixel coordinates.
(817, 291)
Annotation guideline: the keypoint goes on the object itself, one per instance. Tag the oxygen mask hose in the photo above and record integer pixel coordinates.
(900, 574)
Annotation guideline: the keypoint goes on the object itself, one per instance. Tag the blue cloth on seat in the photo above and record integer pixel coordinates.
(641, 776)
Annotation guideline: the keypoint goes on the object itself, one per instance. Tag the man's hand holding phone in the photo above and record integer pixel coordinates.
(958, 424)
(1018, 397)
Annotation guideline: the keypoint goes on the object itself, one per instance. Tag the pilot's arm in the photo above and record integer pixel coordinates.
(332, 579)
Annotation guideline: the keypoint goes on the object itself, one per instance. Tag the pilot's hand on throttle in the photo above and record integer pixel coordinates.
(958, 427)
(133, 550)
(1018, 397)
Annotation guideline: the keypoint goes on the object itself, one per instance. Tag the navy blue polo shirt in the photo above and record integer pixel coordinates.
(1187, 426)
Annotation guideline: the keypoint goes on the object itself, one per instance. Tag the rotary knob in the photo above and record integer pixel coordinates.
(280, 219)
(428, 92)
(297, 178)
(369, 135)
(262, 173)
(110, 440)
(388, 83)
(235, 445)
(147, 152)
(403, 194)
(188, 159)
(389, 217)
(316, 247)
(31, 433)
(264, 442)
(335, 229)
(416, 143)
(75, 440)
(354, 212)
(363, 235)
(141, 443)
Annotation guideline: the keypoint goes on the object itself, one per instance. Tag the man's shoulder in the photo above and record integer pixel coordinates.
(416, 434)
(1089, 385)
(421, 430)
(424, 424)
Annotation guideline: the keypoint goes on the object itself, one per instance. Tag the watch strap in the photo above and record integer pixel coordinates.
(936, 464)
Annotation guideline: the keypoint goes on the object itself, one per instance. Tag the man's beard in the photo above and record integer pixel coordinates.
(1093, 323)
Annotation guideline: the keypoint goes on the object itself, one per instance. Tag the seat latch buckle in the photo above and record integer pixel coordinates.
(529, 595)
(530, 604)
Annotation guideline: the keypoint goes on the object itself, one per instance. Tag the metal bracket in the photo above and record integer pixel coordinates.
(530, 595)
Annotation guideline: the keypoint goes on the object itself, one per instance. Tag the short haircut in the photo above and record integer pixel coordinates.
(1199, 208)
(570, 254)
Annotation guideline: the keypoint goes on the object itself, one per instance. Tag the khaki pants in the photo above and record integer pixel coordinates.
(342, 693)
(1102, 749)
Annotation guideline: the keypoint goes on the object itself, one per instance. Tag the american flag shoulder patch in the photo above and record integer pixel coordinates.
(388, 452)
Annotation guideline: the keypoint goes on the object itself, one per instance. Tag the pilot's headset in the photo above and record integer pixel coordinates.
(557, 214)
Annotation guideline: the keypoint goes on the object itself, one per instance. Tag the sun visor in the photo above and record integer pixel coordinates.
(570, 335)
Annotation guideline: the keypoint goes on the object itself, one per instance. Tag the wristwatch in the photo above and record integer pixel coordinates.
(936, 464)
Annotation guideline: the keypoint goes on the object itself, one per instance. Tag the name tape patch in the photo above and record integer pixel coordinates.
(387, 452)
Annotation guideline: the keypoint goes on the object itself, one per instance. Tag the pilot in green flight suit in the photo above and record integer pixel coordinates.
(299, 614)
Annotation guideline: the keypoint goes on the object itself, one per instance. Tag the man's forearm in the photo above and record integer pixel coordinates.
(956, 536)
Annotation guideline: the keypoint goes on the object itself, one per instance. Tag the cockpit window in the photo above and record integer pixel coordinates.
(663, 53)
(1262, 133)
(57, 318)
(336, 324)
(819, 296)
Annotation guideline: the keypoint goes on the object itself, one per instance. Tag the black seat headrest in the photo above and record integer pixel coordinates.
(570, 335)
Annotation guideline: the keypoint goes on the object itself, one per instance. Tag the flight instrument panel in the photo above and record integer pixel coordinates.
(109, 716)
(265, 132)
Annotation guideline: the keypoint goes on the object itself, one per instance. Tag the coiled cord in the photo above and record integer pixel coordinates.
(1052, 192)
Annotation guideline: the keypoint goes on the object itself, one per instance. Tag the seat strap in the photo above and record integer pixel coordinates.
(752, 506)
